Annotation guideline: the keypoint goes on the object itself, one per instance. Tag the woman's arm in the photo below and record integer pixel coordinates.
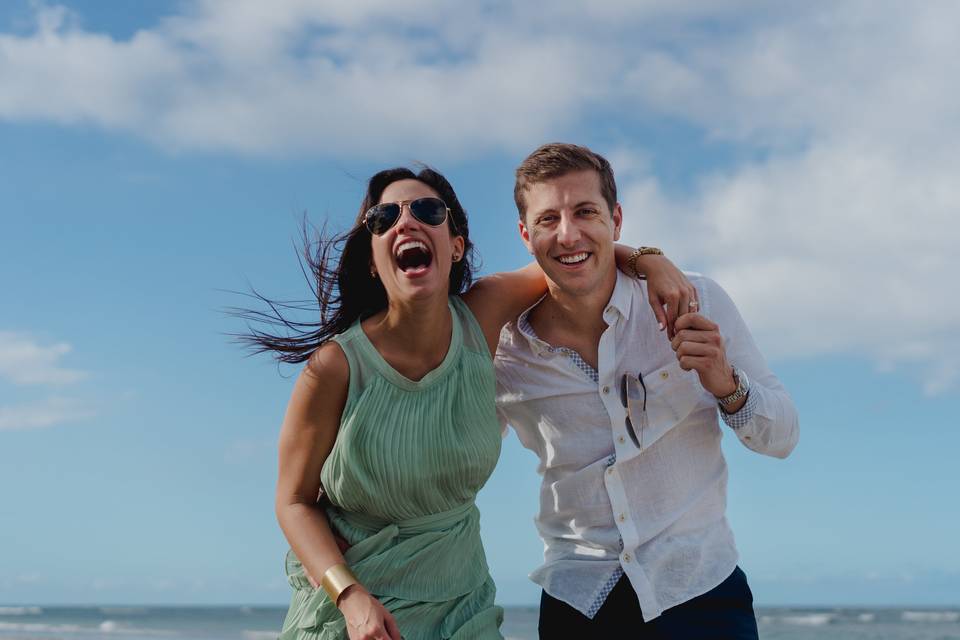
(499, 298)
(306, 439)
(670, 293)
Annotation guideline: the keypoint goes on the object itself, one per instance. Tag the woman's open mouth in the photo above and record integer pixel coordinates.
(413, 257)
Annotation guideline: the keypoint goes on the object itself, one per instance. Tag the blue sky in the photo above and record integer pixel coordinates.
(156, 154)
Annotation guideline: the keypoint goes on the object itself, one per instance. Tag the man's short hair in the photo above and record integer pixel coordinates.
(557, 159)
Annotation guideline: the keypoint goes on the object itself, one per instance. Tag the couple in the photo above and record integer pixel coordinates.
(614, 381)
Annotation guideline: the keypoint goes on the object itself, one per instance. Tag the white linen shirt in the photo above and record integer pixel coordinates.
(608, 507)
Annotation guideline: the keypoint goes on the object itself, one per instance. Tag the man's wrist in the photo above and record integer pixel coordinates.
(734, 400)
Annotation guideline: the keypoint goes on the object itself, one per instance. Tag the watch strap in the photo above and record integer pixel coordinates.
(743, 388)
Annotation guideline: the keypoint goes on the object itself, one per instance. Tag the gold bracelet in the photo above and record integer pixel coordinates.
(641, 251)
(336, 580)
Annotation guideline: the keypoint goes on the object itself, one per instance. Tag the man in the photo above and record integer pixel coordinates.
(625, 422)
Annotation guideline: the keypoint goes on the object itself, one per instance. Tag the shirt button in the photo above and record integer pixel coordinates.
(626, 557)
(621, 517)
(664, 375)
(621, 440)
(606, 389)
(610, 471)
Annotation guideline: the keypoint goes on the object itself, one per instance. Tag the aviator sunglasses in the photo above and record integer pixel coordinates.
(633, 395)
(429, 210)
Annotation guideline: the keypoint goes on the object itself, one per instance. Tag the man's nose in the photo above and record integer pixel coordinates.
(568, 233)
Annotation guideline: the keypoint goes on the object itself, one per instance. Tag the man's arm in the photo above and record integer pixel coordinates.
(765, 420)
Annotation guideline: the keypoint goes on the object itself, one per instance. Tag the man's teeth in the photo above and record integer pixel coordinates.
(411, 244)
(575, 258)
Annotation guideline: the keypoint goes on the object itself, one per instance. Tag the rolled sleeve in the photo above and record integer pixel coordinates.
(768, 422)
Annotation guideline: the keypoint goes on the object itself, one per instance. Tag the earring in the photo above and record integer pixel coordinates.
(456, 257)
(373, 273)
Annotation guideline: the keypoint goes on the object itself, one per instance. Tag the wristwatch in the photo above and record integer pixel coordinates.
(743, 388)
(641, 251)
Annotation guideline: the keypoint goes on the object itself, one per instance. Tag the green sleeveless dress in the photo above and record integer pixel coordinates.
(402, 477)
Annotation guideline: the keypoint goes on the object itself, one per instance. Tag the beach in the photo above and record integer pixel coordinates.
(22, 622)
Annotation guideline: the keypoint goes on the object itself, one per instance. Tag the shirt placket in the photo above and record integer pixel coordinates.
(624, 450)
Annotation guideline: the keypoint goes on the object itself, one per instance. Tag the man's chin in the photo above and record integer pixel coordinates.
(574, 285)
(582, 281)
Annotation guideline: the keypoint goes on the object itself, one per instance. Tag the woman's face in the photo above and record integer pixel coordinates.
(411, 258)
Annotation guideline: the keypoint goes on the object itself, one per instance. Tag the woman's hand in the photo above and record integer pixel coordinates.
(366, 617)
(670, 293)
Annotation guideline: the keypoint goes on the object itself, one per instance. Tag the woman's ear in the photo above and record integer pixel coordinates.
(458, 244)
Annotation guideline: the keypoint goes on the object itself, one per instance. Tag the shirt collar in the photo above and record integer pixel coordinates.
(621, 301)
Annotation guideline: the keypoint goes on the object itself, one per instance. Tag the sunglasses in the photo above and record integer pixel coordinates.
(430, 210)
(633, 395)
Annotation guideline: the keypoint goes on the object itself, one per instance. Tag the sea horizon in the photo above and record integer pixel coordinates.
(139, 621)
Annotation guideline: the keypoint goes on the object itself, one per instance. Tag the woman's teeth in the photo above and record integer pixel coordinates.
(410, 244)
(412, 254)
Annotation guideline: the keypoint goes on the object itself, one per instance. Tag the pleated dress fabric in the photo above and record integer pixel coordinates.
(402, 477)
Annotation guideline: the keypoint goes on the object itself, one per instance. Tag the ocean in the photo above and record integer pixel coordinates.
(520, 623)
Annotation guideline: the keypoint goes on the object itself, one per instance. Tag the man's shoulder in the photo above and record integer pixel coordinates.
(702, 282)
(512, 345)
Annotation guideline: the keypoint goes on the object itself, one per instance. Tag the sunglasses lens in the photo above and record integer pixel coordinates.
(432, 211)
(381, 217)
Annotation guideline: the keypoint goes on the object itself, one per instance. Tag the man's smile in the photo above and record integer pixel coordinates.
(573, 259)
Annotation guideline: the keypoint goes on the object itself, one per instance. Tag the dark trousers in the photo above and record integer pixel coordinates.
(723, 613)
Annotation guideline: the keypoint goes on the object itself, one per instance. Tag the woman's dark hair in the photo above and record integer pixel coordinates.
(346, 291)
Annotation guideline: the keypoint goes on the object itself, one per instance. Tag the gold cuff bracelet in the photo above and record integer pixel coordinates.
(336, 580)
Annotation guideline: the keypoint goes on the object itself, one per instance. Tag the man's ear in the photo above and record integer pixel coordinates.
(525, 235)
(617, 221)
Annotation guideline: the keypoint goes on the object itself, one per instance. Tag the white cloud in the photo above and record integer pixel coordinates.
(47, 413)
(344, 78)
(840, 239)
(24, 361)
(834, 235)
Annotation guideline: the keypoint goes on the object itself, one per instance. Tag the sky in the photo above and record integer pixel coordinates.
(157, 156)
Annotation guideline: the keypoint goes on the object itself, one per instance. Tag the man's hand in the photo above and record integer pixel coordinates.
(699, 347)
(671, 294)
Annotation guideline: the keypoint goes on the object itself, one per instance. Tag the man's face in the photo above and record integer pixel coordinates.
(569, 229)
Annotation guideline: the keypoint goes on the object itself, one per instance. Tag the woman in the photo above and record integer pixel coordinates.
(393, 421)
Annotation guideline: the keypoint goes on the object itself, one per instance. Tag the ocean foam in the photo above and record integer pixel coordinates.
(20, 611)
(866, 617)
(930, 616)
(40, 627)
(250, 634)
(809, 619)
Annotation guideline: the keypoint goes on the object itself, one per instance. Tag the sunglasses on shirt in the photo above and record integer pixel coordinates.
(633, 396)
(432, 211)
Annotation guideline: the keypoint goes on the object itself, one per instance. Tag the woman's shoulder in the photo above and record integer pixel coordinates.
(463, 312)
(328, 364)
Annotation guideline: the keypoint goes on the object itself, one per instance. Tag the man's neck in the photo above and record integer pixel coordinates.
(573, 320)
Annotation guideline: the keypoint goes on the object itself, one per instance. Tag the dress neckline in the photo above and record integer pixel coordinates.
(432, 376)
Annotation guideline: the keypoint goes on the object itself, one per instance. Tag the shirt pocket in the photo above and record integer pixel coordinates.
(672, 395)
